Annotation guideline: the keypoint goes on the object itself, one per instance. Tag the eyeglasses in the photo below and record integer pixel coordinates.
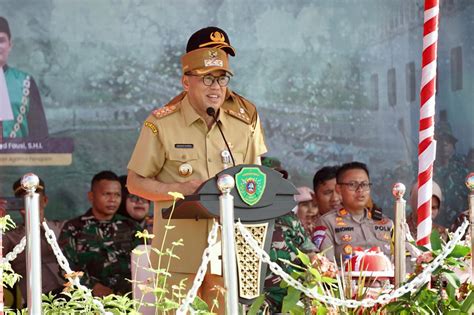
(208, 79)
(136, 199)
(354, 186)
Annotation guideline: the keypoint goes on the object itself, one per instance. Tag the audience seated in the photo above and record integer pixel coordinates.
(135, 207)
(338, 232)
(305, 211)
(325, 197)
(50, 271)
(99, 242)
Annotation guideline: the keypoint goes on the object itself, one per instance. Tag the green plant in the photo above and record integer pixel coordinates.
(444, 295)
(74, 300)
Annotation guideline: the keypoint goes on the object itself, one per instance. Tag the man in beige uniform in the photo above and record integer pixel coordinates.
(339, 232)
(180, 147)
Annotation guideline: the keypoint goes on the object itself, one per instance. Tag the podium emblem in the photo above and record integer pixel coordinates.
(250, 182)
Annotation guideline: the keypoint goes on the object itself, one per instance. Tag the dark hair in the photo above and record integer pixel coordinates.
(18, 190)
(104, 175)
(123, 204)
(351, 166)
(4, 27)
(324, 174)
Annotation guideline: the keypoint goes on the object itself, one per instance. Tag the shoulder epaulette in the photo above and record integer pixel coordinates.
(169, 108)
(239, 107)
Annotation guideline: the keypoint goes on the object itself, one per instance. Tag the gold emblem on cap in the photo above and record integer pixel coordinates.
(217, 37)
(185, 170)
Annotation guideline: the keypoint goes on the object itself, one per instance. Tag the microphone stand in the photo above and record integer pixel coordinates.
(212, 112)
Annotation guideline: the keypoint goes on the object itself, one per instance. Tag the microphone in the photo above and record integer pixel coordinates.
(212, 112)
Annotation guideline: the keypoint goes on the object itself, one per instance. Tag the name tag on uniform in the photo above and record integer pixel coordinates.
(184, 145)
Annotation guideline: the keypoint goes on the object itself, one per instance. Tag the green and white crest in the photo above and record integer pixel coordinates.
(251, 182)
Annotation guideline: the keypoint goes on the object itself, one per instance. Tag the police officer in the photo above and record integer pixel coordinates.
(180, 145)
(339, 232)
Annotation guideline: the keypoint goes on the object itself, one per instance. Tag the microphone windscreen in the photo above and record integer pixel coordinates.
(210, 111)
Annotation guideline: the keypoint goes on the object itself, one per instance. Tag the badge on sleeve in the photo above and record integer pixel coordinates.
(318, 236)
(185, 170)
(151, 126)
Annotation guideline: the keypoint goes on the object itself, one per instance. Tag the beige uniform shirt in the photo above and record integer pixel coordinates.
(175, 135)
(338, 229)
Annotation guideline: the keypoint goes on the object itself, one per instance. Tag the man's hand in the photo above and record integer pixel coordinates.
(189, 187)
(101, 290)
(3, 207)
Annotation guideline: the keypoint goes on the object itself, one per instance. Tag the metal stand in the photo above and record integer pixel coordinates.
(470, 186)
(398, 191)
(226, 202)
(33, 245)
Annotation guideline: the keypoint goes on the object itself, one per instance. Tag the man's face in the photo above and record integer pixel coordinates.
(105, 199)
(326, 197)
(354, 200)
(5, 47)
(201, 96)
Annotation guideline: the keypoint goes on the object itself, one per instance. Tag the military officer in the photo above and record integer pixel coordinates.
(180, 145)
(339, 232)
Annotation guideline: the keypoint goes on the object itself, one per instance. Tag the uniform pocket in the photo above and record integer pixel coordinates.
(182, 155)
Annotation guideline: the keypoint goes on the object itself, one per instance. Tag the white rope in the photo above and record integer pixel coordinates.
(411, 286)
(206, 257)
(17, 250)
(64, 264)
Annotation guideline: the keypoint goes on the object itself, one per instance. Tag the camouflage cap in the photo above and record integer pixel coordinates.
(19, 191)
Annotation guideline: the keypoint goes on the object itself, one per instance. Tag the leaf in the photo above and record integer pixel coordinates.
(435, 240)
(290, 300)
(452, 279)
(200, 305)
(459, 251)
(468, 303)
(304, 258)
(256, 305)
(451, 291)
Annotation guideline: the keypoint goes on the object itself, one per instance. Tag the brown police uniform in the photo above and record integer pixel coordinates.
(338, 229)
(175, 145)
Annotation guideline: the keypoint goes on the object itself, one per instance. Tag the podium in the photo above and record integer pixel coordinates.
(261, 194)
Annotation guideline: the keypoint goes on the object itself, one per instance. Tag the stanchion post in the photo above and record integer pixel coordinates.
(30, 182)
(398, 191)
(470, 186)
(225, 183)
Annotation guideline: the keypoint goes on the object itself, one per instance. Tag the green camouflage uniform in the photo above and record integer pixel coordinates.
(101, 249)
(289, 235)
(451, 178)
